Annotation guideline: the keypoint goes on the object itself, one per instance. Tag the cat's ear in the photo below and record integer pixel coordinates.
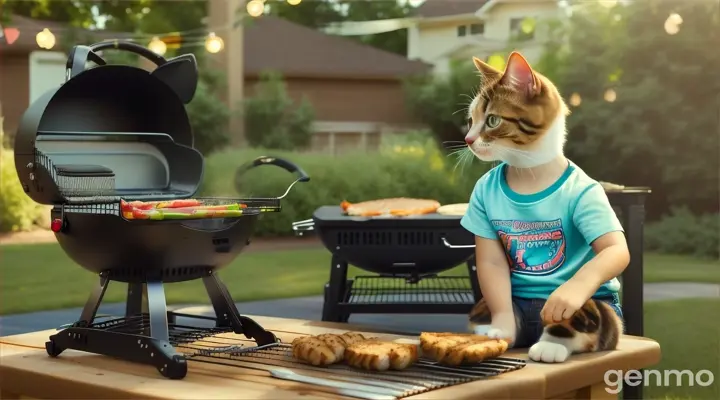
(519, 74)
(486, 70)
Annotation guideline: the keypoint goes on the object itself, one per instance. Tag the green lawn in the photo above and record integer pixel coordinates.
(41, 277)
(689, 335)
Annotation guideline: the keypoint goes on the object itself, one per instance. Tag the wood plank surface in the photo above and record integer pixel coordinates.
(27, 370)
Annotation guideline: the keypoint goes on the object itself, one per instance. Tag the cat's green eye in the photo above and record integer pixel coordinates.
(492, 121)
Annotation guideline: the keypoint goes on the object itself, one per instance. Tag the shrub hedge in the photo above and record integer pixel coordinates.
(411, 170)
(17, 211)
(682, 232)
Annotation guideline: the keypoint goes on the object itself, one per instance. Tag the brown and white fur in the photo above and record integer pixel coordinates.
(594, 327)
(527, 129)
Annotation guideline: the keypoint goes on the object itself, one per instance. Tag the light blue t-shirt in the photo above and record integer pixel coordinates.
(546, 235)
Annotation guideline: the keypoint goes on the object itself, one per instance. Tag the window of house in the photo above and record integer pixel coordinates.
(462, 30)
(522, 28)
(477, 29)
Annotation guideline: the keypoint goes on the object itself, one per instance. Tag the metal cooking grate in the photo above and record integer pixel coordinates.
(254, 206)
(431, 290)
(384, 237)
(220, 346)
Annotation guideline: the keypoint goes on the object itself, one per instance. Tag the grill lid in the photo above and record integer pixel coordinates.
(114, 130)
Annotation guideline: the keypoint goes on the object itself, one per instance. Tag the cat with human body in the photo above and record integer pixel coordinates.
(549, 247)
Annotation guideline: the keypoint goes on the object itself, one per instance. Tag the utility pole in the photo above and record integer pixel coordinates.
(222, 19)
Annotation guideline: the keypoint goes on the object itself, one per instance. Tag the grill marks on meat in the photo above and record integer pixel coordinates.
(324, 349)
(356, 350)
(377, 355)
(453, 349)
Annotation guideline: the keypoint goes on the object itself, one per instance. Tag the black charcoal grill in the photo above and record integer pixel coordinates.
(405, 253)
(117, 132)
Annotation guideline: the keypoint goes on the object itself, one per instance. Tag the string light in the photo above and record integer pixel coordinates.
(214, 44)
(157, 46)
(255, 8)
(575, 100)
(672, 24)
(608, 3)
(610, 95)
(45, 39)
(294, 2)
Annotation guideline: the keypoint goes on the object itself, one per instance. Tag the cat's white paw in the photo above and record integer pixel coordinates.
(549, 352)
(481, 329)
(497, 333)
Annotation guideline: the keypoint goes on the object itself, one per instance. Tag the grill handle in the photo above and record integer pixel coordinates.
(278, 162)
(456, 246)
(300, 227)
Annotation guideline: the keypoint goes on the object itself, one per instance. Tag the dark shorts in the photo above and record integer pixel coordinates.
(529, 325)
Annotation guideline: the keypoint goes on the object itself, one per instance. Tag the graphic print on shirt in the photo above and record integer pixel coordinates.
(532, 247)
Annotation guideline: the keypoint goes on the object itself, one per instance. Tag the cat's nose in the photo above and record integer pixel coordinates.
(469, 140)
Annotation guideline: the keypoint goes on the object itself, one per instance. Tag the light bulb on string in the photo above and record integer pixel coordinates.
(610, 95)
(157, 46)
(294, 2)
(214, 44)
(575, 100)
(255, 8)
(608, 3)
(45, 39)
(671, 28)
(675, 18)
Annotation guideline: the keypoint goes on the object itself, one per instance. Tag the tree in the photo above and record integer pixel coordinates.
(441, 101)
(273, 120)
(662, 130)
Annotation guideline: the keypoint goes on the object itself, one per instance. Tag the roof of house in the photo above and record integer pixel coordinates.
(446, 8)
(273, 43)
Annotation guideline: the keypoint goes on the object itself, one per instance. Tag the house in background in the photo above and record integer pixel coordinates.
(444, 30)
(356, 90)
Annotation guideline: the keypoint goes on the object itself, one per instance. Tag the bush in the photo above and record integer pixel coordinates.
(273, 120)
(439, 101)
(209, 119)
(682, 232)
(18, 212)
(413, 171)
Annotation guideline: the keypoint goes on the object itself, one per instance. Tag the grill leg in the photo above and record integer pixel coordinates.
(134, 299)
(157, 308)
(227, 314)
(632, 279)
(335, 292)
(474, 282)
(93, 302)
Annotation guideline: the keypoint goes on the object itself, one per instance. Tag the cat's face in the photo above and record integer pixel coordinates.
(517, 117)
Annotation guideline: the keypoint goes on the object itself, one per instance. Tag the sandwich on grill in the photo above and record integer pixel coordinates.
(398, 207)
(376, 355)
(324, 349)
(453, 209)
(455, 348)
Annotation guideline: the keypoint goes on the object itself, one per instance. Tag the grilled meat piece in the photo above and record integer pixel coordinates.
(380, 356)
(324, 349)
(454, 348)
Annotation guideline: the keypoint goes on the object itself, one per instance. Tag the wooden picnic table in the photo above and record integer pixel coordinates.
(26, 371)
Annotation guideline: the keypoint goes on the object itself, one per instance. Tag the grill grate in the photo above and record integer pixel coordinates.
(385, 237)
(429, 290)
(220, 346)
(254, 206)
